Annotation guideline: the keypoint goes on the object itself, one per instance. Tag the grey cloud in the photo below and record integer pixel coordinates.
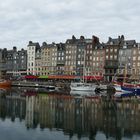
(54, 20)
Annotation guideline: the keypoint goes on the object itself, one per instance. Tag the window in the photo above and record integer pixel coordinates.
(78, 62)
(97, 64)
(106, 56)
(90, 57)
(79, 55)
(134, 58)
(134, 52)
(115, 56)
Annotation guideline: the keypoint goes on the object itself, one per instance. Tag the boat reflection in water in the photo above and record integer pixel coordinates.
(82, 93)
(5, 83)
(69, 117)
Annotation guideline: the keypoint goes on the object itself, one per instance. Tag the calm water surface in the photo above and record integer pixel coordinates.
(26, 114)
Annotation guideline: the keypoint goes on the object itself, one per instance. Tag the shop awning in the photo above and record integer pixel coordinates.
(93, 77)
(31, 77)
(43, 77)
(61, 77)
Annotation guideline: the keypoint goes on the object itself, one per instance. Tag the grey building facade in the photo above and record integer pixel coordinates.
(16, 62)
(60, 58)
(3, 54)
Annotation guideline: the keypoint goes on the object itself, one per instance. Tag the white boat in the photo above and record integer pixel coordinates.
(102, 87)
(82, 87)
(117, 87)
(82, 93)
(49, 87)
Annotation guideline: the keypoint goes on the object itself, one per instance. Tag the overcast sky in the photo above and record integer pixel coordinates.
(57, 20)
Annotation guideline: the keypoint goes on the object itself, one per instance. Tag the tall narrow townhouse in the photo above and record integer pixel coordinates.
(22, 65)
(12, 62)
(81, 57)
(87, 56)
(125, 57)
(11, 55)
(60, 59)
(45, 58)
(98, 57)
(16, 62)
(71, 56)
(48, 58)
(31, 54)
(3, 56)
(38, 63)
(53, 59)
(135, 67)
(111, 57)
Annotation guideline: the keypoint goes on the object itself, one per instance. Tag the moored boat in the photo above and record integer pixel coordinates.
(131, 88)
(5, 83)
(82, 87)
(49, 87)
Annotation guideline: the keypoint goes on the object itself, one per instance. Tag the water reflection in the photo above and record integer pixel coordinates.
(84, 117)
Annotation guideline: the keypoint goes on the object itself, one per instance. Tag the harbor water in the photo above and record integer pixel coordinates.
(31, 114)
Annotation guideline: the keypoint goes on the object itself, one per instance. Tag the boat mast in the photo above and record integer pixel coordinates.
(84, 65)
(125, 74)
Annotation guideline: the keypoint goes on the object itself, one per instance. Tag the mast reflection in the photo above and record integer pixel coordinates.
(72, 115)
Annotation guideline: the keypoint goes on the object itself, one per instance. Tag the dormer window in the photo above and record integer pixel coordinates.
(111, 43)
(124, 47)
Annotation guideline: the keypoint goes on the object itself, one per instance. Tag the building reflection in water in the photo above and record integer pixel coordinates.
(74, 116)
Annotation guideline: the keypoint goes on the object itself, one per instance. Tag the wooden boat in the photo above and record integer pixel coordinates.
(5, 83)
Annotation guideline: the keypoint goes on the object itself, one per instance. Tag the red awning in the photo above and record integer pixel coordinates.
(94, 77)
(61, 77)
(31, 77)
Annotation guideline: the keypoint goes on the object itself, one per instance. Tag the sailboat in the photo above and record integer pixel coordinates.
(83, 85)
(129, 88)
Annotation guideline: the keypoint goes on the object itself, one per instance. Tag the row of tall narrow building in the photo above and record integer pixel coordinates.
(73, 57)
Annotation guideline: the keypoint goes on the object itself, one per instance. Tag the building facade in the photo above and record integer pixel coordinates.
(31, 54)
(70, 57)
(111, 57)
(38, 67)
(60, 59)
(3, 55)
(75, 57)
(16, 62)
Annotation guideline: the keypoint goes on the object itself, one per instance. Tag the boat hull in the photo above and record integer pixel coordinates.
(134, 90)
(82, 87)
(5, 84)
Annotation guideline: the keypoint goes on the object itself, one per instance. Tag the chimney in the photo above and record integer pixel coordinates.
(95, 39)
